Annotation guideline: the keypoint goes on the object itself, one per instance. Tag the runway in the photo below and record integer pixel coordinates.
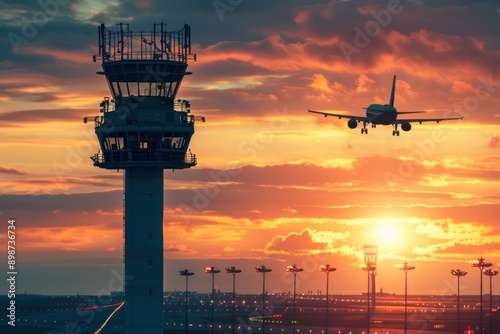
(347, 314)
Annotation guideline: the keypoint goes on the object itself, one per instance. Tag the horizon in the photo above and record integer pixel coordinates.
(180, 291)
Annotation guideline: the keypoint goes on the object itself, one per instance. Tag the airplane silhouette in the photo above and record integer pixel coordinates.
(384, 114)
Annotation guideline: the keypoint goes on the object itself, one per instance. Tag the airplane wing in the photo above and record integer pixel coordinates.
(421, 120)
(340, 116)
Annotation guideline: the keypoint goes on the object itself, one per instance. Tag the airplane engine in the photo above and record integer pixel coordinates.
(352, 124)
(406, 126)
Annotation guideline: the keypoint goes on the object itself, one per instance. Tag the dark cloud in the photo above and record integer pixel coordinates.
(266, 46)
(75, 203)
(246, 21)
(10, 170)
(484, 13)
(228, 70)
(26, 117)
(309, 174)
(67, 181)
(264, 192)
(326, 191)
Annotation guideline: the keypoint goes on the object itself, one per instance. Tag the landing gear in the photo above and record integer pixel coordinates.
(364, 129)
(395, 132)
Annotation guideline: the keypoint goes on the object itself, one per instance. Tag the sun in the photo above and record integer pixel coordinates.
(390, 233)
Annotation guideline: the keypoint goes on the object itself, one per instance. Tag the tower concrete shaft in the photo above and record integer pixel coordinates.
(144, 250)
(143, 129)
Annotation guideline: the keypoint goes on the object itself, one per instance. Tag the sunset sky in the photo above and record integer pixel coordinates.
(274, 184)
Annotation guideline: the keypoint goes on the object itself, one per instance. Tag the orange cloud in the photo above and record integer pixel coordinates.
(494, 142)
(143, 3)
(461, 87)
(76, 56)
(308, 241)
(179, 248)
(363, 83)
(70, 238)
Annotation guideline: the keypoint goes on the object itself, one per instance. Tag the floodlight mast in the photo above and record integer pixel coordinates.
(213, 271)
(263, 270)
(234, 271)
(326, 269)
(490, 272)
(143, 129)
(294, 269)
(480, 264)
(405, 267)
(186, 273)
(458, 273)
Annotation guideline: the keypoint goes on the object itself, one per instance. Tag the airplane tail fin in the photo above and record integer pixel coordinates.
(391, 102)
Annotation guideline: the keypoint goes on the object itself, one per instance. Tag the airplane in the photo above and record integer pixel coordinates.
(384, 114)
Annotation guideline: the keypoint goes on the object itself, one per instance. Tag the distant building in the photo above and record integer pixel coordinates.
(380, 293)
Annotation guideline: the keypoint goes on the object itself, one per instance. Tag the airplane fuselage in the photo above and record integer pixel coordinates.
(381, 114)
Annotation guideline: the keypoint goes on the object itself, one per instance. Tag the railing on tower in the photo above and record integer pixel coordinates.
(139, 157)
(159, 44)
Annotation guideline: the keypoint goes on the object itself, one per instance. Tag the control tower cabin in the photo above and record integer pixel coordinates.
(143, 129)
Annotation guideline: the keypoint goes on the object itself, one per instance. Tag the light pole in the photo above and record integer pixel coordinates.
(479, 263)
(459, 273)
(186, 273)
(234, 271)
(213, 271)
(326, 269)
(405, 267)
(263, 270)
(294, 269)
(490, 273)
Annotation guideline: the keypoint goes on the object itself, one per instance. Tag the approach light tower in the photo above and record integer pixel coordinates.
(370, 257)
(143, 130)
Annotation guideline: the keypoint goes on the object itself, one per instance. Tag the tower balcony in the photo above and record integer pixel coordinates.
(125, 158)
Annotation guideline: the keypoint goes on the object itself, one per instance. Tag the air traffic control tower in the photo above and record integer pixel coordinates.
(143, 129)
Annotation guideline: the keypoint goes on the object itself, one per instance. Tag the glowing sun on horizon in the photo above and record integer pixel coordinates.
(388, 233)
